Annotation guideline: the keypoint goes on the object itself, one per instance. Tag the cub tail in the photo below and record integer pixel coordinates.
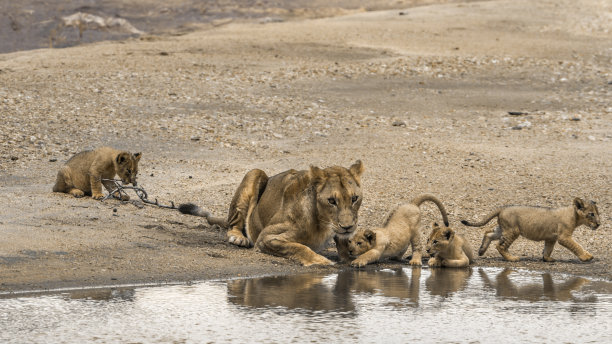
(192, 209)
(483, 222)
(422, 198)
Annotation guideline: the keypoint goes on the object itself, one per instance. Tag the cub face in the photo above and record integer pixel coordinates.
(126, 166)
(361, 242)
(339, 196)
(588, 211)
(439, 239)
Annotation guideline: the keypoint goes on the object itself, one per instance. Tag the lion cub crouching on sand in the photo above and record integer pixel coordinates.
(448, 249)
(539, 224)
(83, 173)
(392, 240)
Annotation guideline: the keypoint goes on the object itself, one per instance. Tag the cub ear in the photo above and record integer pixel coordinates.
(448, 234)
(356, 170)
(122, 158)
(137, 156)
(370, 235)
(578, 203)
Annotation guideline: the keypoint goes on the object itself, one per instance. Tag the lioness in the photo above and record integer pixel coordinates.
(294, 213)
(401, 229)
(83, 173)
(534, 223)
(448, 249)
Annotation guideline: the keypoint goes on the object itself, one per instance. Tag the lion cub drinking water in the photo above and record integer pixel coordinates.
(392, 240)
(83, 173)
(539, 224)
(448, 249)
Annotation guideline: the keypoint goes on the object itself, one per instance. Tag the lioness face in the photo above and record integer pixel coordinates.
(339, 197)
(589, 211)
(361, 242)
(439, 239)
(127, 167)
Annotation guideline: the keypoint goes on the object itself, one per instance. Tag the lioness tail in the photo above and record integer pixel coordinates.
(192, 209)
(422, 198)
(483, 222)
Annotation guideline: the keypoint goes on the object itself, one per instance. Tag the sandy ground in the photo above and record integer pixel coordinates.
(420, 95)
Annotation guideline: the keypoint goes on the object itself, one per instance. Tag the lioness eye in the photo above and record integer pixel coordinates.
(332, 201)
(354, 198)
(435, 241)
(129, 171)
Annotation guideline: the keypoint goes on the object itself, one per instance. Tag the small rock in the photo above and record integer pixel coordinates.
(14, 158)
(195, 138)
(52, 160)
(592, 138)
(516, 113)
(398, 124)
(575, 119)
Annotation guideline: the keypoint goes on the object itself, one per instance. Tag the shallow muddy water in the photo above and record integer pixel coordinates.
(366, 306)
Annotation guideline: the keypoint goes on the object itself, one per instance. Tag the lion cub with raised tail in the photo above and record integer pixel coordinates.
(83, 173)
(448, 249)
(539, 224)
(401, 229)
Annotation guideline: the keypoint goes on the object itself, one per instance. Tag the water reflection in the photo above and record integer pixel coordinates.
(370, 304)
(444, 282)
(533, 290)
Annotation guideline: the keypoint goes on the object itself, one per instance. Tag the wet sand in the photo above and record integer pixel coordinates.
(421, 95)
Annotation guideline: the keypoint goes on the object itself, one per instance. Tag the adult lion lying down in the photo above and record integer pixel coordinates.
(294, 213)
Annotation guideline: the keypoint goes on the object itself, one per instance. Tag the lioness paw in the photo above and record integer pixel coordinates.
(320, 260)
(97, 196)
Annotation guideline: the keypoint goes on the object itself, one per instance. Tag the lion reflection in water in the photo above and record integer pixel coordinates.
(547, 290)
(318, 292)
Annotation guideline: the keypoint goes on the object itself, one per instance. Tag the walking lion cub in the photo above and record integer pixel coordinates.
(392, 240)
(83, 173)
(539, 224)
(448, 249)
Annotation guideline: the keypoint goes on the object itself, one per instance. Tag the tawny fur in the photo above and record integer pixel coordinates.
(400, 230)
(448, 249)
(293, 214)
(83, 173)
(539, 224)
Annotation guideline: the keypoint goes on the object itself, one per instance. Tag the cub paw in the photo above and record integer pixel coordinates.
(433, 262)
(586, 257)
(415, 262)
(237, 240)
(359, 262)
(77, 193)
(97, 196)
(548, 259)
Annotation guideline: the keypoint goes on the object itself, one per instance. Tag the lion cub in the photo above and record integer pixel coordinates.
(539, 224)
(448, 249)
(401, 229)
(83, 173)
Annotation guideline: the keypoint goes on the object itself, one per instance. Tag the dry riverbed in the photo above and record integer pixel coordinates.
(422, 96)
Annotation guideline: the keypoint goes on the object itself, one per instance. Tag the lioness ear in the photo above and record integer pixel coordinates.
(578, 203)
(316, 173)
(122, 158)
(370, 236)
(356, 170)
(137, 156)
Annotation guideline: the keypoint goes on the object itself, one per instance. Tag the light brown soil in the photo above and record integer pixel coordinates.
(422, 98)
